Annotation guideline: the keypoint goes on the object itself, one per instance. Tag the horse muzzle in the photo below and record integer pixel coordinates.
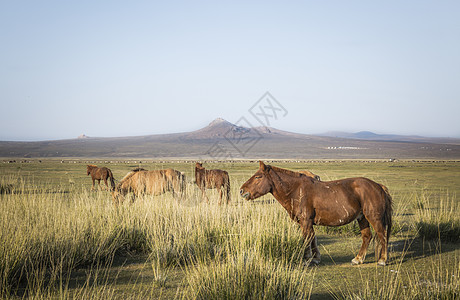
(244, 194)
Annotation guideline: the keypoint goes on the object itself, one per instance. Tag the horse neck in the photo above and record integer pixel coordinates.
(285, 189)
(200, 173)
(125, 181)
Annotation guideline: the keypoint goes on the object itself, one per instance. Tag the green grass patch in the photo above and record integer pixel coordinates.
(248, 276)
(53, 227)
(438, 222)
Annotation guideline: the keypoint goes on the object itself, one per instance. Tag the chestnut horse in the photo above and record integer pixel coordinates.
(334, 203)
(212, 179)
(100, 173)
(140, 181)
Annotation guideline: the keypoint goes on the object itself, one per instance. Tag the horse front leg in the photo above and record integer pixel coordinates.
(93, 185)
(310, 238)
(203, 193)
(315, 251)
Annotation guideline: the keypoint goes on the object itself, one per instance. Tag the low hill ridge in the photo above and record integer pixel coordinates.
(233, 141)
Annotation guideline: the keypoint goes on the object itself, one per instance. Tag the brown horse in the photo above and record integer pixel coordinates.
(100, 173)
(334, 203)
(212, 179)
(140, 181)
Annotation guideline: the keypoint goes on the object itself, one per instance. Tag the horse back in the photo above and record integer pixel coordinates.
(339, 202)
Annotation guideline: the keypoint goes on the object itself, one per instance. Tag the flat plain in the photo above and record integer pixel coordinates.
(62, 240)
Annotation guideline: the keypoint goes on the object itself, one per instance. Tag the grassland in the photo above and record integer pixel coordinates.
(60, 240)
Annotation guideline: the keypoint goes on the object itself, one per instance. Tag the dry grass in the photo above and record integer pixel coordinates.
(244, 250)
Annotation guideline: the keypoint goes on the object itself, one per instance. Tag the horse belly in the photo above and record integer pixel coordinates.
(156, 189)
(336, 217)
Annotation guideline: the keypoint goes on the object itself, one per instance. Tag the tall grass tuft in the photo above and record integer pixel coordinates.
(248, 276)
(441, 221)
(439, 279)
(46, 235)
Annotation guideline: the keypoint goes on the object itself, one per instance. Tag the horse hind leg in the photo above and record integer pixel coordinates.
(227, 193)
(106, 184)
(221, 192)
(366, 235)
(381, 248)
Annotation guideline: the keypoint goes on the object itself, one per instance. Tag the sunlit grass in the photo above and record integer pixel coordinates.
(439, 221)
(247, 275)
(48, 231)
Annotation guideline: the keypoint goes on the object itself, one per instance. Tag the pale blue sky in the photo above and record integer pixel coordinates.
(118, 68)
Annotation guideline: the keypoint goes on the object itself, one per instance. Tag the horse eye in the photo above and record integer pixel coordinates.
(258, 177)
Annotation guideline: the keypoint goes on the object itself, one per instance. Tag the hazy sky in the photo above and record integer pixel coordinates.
(120, 68)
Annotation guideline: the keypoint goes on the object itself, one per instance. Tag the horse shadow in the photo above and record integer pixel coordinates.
(401, 250)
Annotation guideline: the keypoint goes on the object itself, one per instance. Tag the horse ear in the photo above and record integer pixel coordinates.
(262, 166)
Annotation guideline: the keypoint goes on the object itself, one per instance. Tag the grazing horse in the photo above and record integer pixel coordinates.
(140, 181)
(212, 179)
(334, 203)
(100, 173)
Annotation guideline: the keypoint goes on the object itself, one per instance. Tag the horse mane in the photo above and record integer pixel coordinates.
(130, 174)
(92, 166)
(288, 172)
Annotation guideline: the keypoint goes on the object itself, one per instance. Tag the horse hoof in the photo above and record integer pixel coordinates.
(355, 261)
(312, 263)
(381, 263)
(315, 262)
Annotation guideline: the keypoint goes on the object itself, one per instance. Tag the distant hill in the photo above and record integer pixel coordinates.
(224, 140)
(368, 135)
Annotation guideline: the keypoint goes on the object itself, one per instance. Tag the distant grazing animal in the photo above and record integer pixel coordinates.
(140, 181)
(100, 173)
(310, 174)
(334, 203)
(212, 179)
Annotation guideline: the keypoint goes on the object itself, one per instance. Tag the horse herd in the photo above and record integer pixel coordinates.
(140, 181)
(307, 200)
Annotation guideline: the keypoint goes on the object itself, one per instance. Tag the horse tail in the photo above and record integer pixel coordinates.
(386, 220)
(182, 184)
(112, 180)
(227, 185)
(387, 216)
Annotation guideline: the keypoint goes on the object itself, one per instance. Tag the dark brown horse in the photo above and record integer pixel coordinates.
(334, 203)
(100, 173)
(212, 179)
(140, 181)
